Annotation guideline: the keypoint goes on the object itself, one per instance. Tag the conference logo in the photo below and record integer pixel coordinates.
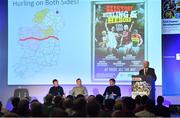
(178, 56)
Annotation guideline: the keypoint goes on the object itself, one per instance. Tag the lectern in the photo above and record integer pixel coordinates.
(143, 86)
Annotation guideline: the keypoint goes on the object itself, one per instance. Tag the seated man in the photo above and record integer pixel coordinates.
(112, 89)
(56, 89)
(79, 89)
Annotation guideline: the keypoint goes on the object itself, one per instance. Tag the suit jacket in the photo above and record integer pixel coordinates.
(149, 72)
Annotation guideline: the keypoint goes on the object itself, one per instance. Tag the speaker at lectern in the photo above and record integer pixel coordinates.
(139, 86)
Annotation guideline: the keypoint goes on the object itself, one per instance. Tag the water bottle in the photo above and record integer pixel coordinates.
(111, 96)
(106, 96)
(19, 95)
(25, 94)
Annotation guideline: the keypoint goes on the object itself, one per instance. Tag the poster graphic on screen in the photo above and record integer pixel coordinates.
(171, 16)
(118, 39)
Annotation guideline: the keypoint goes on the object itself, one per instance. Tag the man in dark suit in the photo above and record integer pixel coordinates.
(148, 74)
(146, 71)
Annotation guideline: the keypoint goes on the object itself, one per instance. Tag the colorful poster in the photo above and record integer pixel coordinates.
(118, 39)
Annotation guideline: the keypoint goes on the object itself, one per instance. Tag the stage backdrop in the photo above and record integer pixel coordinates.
(170, 47)
(93, 40)
(154, 56)
(171, 64)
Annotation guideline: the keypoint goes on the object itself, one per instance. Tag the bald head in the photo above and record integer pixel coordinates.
(146, 64)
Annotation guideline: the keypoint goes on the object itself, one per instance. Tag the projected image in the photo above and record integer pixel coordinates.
(34, 42)
(170, 9)
(94, 40)
(119, 39)
(39, 43)
(171, 16)
(45, 42)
